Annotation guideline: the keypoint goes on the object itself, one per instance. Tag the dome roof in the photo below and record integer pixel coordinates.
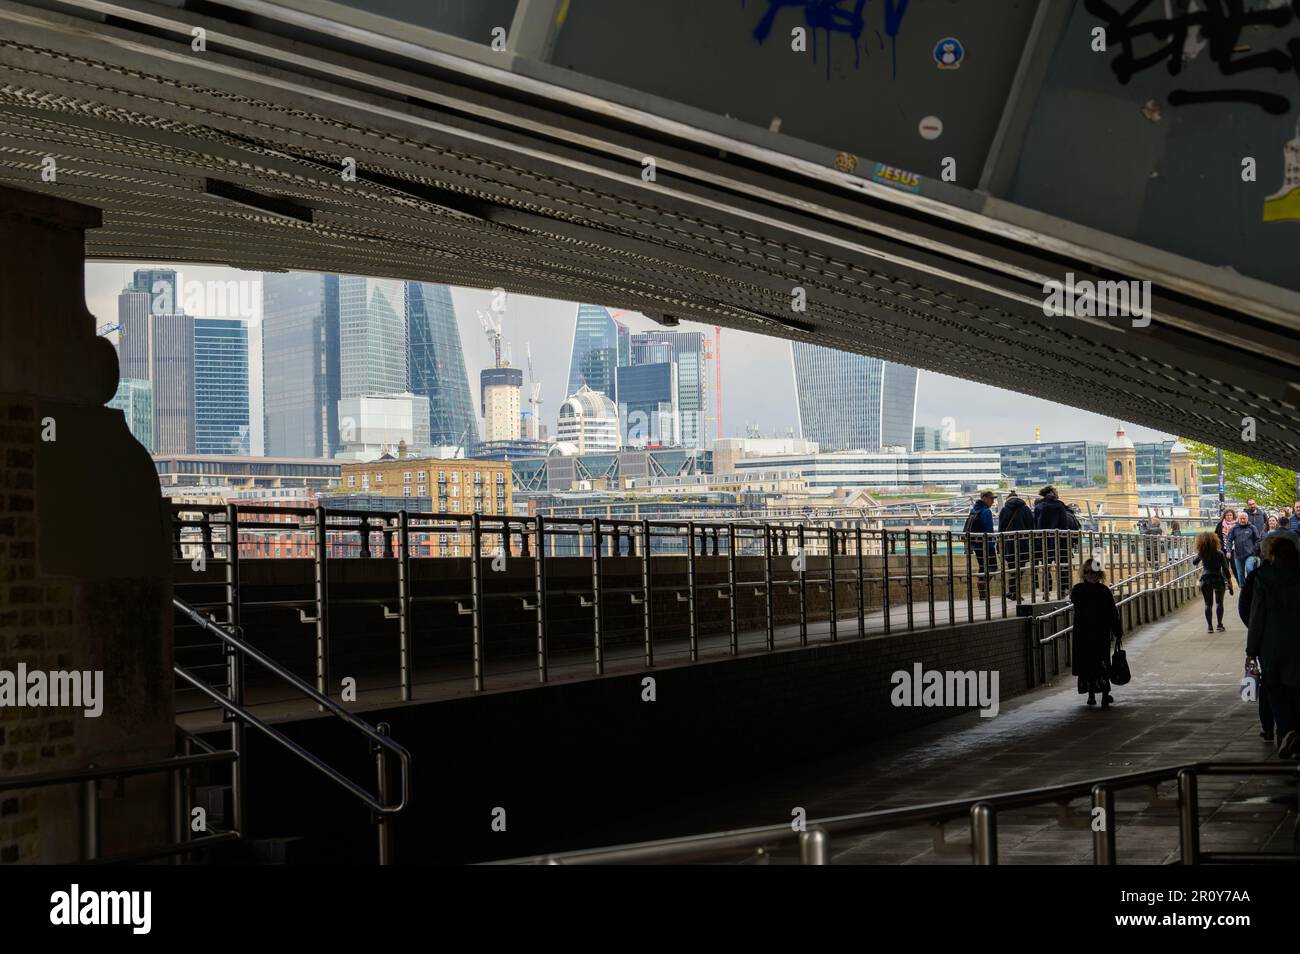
(1179, 448)
(563, 449)
(1120, 441)
(588, 403)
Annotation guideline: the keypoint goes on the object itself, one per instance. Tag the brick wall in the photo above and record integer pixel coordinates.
(36, 627)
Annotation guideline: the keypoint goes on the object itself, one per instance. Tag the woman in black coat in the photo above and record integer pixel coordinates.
(1096, 620)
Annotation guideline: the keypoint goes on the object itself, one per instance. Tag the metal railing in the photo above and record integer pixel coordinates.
(89, 780)
(813, 843)
(647, 592)
(231, 701)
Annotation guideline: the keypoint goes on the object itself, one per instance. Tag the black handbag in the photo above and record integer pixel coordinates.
(1119, 671)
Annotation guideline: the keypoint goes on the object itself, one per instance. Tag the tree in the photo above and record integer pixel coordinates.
(1245, 478)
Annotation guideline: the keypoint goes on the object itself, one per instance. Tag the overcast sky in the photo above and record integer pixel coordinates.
(757, 377)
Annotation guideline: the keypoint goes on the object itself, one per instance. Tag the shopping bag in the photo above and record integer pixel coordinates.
(1119, 671)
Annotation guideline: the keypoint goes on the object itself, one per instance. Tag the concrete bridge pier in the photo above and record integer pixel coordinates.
(84, 579)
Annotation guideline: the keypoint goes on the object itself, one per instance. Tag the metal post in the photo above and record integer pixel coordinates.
(1189, 825)
(383, 823)
(90, 818)
(814, 847)
(862, 609)
(646, 603)
(476, 597)
(884, 563)
(907, 545)
(929, 574)
(539, 595)
(690, 580)
(988, 607)
(984, 834)
(767, 586)
(803, 588)
(970, 575)
(1103, 838)
(835, 611)
(952, 597)
(597, 588)
(232, 566)
(404, 603)
(1033, 567)
(732, 620)
(322, 605)
(179, 828)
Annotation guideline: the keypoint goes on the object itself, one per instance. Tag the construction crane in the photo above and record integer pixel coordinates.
(492, 328)
(534, 396)
(108, 329)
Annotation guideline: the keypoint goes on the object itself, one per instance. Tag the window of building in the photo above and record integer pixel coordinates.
(406, 477)
(379, 478)
(352, 481)
(442, 476)
(455, 476)
(406, 491)
(421, 489)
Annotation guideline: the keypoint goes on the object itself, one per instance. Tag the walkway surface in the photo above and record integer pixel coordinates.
(1183, 705)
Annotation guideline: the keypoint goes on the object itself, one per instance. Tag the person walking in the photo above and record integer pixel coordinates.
(980, 522)
(1053, 516)
(1273, 639)
(1015, 517)
(1294, 523)
(1243, 544)
(1257, 518)
(1244, 603)
(1096, 620)
(1273, 524)
(1215, 577)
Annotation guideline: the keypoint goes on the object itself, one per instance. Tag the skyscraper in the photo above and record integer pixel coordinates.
(171, 374)
(853, 402)
(300, 364)
(438, 365)
(647, 405)
(600, 345)
(221, 386)
(372, 336)
(134, 400)
(688, 351)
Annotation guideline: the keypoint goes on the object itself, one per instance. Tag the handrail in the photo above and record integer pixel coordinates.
(377, 738)
(716, 844)
(1122, 602)
(93, 774)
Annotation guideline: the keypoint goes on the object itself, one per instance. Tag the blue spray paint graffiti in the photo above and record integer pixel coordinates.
(837, 16)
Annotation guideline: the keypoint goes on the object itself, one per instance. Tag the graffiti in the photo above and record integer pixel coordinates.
(1284, 204)
(1211, 26)
(837, 17)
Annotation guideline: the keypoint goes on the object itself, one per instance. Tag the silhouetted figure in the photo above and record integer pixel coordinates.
(1273, 637)
(1096, 620)
(980, 521)
(1215, 576)
(1015, 517)
(1050, 514)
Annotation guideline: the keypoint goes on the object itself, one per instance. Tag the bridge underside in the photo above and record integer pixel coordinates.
(470, 176)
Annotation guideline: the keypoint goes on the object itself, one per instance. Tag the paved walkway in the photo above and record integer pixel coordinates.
(1182, 705)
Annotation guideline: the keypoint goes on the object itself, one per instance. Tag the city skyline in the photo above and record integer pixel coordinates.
(757, 378)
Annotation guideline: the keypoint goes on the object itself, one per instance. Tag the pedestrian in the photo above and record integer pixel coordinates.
(1015, 518)
(1273, 639)
(1223, 528)
(1215, 577)
(980, 522)
(1244, 603)
(1258, 518)
(1243, 545)
(1096, 620)
(1273, 524)
(1294, 523)
(1151, 531)
(1051, 517)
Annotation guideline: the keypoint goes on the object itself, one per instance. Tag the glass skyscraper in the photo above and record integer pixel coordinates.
(300, 364)
(687, 350)
(438, 365)
(851, 401)
(134, 400)
(221, 386)
(647, 404)
(600, 346)
(171, 373)
(372, 336)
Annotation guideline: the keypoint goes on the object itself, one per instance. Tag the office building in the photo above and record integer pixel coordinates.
(1034, 465)
(600, 346)
(893, 470)
(499, 390)
(851, 401)
(134, 399)
(728, 450)
(192, 470)
(588, 422)
(376, 424)
(1152, 458)
(689, 351)
(437, 365)
(647, 405)
(929, 439)
(134, 327)
(372, 336)
(300, 364)
(221, 423)
(171, 377)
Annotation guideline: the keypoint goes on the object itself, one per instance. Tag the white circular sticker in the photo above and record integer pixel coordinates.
(931, 127)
